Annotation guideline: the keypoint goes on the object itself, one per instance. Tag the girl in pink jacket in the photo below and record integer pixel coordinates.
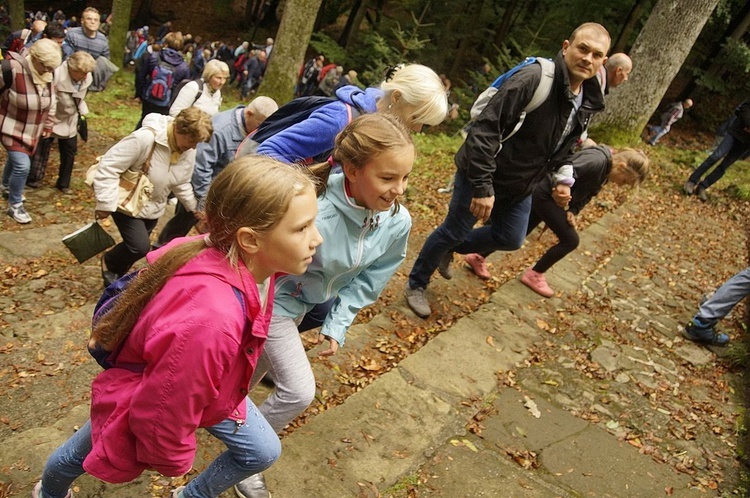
(186, 336)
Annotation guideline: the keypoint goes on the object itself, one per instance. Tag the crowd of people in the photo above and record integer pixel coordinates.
(297, 223)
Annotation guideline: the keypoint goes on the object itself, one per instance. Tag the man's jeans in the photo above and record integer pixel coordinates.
(251, 448)
(731, 150)
(506, 232)
(724, 299)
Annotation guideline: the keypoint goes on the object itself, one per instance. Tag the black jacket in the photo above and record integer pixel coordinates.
(591, 168)
(527, 157)
(738, 126)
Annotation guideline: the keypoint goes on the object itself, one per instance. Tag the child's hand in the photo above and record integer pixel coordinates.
(333, 345)
(561, 194)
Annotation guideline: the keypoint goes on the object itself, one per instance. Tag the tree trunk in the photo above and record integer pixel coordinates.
(17, 14)
(353, 22)
(627, 29)
(472, 11)
(505, 24)
(119, 29)
(658, 53)
(289, 49)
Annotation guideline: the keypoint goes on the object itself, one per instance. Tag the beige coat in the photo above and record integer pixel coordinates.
(131, 152)
(66, 116)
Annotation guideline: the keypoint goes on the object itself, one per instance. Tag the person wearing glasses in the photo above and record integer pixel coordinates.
(25, 106)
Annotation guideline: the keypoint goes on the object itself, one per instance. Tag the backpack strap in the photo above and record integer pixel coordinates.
(541, 93)
(200, 89)
(7, 74)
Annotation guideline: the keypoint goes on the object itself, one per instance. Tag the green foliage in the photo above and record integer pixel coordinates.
(324, 44)
(730, 71)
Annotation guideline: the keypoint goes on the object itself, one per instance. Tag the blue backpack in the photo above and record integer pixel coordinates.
(159, 89)
(106, 358)
(540, 94)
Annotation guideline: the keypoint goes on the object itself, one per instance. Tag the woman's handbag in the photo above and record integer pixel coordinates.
(88, 241)
(83, 128)
(135, 188)
(83, 125)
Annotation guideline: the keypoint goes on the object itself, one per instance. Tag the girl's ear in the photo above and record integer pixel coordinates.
(247, 240)
(395, 96)
(350, 171)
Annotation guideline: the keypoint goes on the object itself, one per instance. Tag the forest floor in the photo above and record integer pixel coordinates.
(41, 379)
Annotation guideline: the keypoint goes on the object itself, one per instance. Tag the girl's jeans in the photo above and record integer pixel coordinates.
(251, 449)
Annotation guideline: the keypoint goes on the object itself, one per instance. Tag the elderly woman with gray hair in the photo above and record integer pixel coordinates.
(25, 106)
(203, 93)
(71, 81)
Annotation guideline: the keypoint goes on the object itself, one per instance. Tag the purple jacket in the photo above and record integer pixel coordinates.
(317, 133)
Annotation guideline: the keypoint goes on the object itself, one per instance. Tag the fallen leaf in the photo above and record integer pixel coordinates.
(531, 406)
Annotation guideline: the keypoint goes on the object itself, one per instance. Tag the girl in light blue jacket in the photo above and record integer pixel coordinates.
(364, 233)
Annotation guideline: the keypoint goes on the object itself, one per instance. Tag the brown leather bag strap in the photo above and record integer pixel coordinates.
(147, 164)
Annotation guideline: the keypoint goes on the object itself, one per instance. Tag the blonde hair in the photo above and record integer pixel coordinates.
(214, 67)
(194, 123)
(362, 140)
(263, 106)
(636, 162)
(46, 52)
(173, 40)
(420, 87)
(252, 192)
(81, 61)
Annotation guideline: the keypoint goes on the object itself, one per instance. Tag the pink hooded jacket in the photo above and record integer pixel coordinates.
(199, 351)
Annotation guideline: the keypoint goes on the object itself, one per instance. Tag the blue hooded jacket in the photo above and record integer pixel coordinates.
(317, 133)
(362, 250)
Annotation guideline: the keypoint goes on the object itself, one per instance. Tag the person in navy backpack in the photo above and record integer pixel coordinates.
(495, 176)
(186, 335)
(162, 74)
(411, 92)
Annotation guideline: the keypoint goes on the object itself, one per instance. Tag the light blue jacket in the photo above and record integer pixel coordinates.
(214, 156)
(360, 252)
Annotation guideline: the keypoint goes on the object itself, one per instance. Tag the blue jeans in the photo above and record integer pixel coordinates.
(506, 232)
(14, 175)
(731, 150)
(724, 299)
(659, 131)
(251, 448)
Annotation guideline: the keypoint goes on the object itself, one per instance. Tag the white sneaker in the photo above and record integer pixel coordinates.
(252, 487)
(18, 213)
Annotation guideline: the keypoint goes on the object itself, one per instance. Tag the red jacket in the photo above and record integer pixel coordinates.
(199, 351)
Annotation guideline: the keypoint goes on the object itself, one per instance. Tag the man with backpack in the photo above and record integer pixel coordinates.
(230, 129)
(496, 172)
(161, 75)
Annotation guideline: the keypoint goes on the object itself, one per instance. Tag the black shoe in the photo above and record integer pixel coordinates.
(705, 335)
(108, 277)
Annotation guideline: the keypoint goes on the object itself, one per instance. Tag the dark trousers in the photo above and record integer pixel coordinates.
(544, 208)
(148, 108)
(506, 232)
(179, 226)
(68, 149)
(731, 150)
(316, 316)
(135, 243)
